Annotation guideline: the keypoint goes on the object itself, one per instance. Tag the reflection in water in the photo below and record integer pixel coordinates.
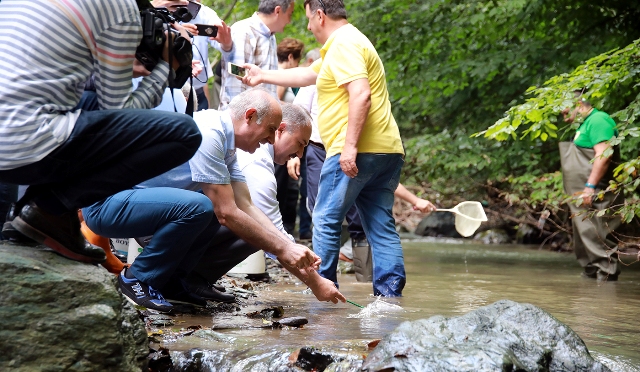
(452, 279)
(469, 297)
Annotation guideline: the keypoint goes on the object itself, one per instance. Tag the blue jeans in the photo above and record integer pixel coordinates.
(182, 224)
(372, 191)
(314, 159)
(107, 151)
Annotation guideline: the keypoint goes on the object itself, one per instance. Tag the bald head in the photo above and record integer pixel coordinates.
(293, 133)
(256, 116)
(257, 99)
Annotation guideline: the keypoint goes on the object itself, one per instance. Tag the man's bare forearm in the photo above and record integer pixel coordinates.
(600, 164)
(293, 77)
(359, 105)
(255, 233)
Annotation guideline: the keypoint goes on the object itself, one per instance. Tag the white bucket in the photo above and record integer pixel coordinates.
(254, 264)
(120, 245)
(134, 250)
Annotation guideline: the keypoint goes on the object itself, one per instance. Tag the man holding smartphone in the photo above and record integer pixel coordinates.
(210, 30)
(361, 137)
(254, 42)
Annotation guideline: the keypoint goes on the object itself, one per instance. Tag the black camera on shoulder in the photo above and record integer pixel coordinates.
(155, 22)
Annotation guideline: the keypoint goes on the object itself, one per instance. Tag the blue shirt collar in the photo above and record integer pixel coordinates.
(258, 25)
(227, 126)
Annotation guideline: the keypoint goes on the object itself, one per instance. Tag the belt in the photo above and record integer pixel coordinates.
(201, 89)
(317, 144)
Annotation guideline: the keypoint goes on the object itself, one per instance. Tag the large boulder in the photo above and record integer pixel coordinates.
(61, 315)
(439, 224)
(504, 336)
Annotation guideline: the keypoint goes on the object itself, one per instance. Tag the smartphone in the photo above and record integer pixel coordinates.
(207, 30)
(194, 8)
(236, 70)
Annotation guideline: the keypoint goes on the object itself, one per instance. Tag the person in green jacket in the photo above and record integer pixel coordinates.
(585, 171)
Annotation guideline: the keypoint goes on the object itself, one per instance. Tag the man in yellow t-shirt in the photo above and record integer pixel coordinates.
(364, 150)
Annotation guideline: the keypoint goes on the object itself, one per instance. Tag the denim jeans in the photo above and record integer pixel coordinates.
(107, 151)
(314, 160)
(182, 224)
(372, 191)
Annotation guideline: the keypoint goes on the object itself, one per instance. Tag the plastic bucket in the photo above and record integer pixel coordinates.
(121, 246)
(134, 250)
(254, 264)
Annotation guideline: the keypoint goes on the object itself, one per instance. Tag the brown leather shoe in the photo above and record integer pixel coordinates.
(61, 233)
(8, 231)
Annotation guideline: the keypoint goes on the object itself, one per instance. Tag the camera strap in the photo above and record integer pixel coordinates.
(190, 107)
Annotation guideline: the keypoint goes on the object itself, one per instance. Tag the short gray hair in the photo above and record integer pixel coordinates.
(296, 117)
(313, 54)
(256, 98)
(269, 6)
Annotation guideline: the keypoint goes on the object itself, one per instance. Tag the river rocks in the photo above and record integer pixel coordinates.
(294, 321)
(62, 315)
(303, 359)
(504, 336)
(440, 224)
(493, 236)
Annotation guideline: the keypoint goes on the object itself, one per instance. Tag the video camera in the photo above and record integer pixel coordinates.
(157, 21)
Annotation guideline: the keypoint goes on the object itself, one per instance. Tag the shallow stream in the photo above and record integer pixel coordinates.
(452, 278)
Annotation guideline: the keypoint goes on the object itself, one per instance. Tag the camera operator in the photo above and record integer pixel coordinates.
(72, 157)
(222, 41)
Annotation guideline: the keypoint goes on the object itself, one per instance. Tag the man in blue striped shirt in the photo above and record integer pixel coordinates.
(69, 156)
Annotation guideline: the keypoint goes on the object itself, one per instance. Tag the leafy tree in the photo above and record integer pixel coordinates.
(460, 63)
(609, 81)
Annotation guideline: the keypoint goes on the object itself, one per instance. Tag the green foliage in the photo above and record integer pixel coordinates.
(471, 162)
(609, 79)
(461, 63)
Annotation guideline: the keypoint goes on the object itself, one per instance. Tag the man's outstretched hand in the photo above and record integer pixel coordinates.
(325, 290)
(300, 257)
(253, 75)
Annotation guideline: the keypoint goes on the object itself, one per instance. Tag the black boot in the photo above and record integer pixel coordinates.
(199, 286)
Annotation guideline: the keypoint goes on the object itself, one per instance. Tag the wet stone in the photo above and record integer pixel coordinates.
(504, 336)
(60, 314)
(210, 335)
(294, 321)
(160, 320)
(311, 359)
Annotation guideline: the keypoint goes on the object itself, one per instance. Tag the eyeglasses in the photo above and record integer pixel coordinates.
(324, 9)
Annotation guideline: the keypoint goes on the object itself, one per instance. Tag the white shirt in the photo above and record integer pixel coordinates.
(259, 171)
(206, 16)
(307, 98)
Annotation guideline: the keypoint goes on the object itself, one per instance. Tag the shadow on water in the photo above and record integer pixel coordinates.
(451, 280)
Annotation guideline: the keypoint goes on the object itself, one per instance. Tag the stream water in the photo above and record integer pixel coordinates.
(452, 278)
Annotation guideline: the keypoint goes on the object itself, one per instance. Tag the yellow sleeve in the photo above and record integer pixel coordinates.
(317, 65)
(349, 62)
